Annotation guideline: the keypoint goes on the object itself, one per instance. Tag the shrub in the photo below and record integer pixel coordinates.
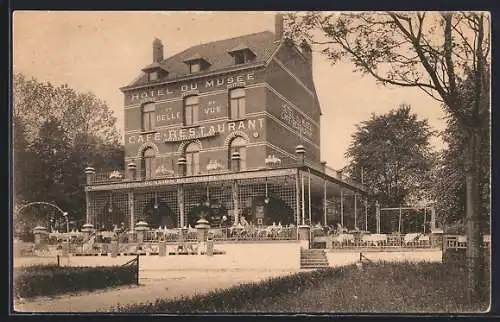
(52, 280)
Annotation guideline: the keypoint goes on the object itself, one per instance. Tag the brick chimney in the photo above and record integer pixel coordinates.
(278, 27)
(157, 50)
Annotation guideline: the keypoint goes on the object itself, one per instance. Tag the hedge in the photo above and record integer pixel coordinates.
(44, 280)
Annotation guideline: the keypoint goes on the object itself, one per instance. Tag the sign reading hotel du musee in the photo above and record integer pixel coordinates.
(201, 85)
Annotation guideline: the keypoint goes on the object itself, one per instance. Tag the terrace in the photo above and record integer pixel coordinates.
(321, 237)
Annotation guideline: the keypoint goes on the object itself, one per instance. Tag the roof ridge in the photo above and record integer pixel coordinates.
(216, 41)
(241, 36)
(217, 53)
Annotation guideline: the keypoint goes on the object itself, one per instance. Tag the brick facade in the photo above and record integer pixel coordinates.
(281, 111)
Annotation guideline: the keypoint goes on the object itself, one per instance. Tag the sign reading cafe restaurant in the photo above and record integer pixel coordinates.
(180, 134)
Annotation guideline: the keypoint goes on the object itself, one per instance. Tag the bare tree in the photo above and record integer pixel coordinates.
(445, 54)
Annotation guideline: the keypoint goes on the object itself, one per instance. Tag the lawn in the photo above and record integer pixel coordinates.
(380, 287)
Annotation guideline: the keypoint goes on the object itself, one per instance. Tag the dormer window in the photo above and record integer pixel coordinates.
(240, 58)
(196, 63)
(194, 68)
(153, 76)
(155, 71)
(242, 54)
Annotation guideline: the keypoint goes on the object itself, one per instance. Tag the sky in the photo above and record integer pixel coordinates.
(100, 52)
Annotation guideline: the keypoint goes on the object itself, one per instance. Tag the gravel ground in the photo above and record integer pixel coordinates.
(160, 282)
(173, 284)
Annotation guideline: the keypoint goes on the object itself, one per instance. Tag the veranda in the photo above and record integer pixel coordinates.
(267, 203)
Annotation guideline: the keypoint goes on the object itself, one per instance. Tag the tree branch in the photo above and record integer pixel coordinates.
(431, 72)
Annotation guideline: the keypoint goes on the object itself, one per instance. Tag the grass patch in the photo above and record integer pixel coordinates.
(46, 280)
(380, 287)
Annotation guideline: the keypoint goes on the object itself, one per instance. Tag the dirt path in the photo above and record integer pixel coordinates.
(172, 284)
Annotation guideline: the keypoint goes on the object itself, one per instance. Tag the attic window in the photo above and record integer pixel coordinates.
(242, 54)
(153, 76)
(240, 58)
(155, 71)
(196, 63)
(194, 67)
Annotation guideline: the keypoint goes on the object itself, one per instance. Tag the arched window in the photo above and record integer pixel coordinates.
(148, 117)
(192, 159)
(190, 110)
(238, 144)
(148, 163)
(237, 103)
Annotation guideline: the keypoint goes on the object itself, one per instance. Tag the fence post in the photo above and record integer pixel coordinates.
(137, 274)
(58, 261)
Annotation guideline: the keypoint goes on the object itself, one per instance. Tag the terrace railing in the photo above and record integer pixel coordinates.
(460, 241)
(366, 240)
(251, 233)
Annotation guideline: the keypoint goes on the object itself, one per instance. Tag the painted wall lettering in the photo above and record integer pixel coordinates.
(168, 114)
(212, 107)
(296, 121)
(180, 134)
(167, 90)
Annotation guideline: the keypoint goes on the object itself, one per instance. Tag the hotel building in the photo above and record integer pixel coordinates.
(229, 131)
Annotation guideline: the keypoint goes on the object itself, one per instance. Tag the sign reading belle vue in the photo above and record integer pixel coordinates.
(170, 90)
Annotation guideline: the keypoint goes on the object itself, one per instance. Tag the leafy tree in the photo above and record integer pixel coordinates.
(35, 102)
(20, 159)
(57, 133)
(394, 154)
(434, 52)
(50, 150)
(449, 188)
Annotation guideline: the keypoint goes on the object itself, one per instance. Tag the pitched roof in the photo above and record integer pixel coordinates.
(196, 56)
(239, 47)
(153, 65)
(217, 53)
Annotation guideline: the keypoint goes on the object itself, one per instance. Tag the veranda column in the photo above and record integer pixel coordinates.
(236, 205)
(300, 151)
(90, 177)
(297, 199)
(366, 213)
(303, 200)
(297, 202)
(180, 205)
(377, 215)
(181, 171)
(87, 207)
(131, 209)
(309, 196)
(399, 224)
(324, 201)
(342, 207)
(355, 210)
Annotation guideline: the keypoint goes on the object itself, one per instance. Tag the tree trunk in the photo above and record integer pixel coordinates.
(474, 252)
